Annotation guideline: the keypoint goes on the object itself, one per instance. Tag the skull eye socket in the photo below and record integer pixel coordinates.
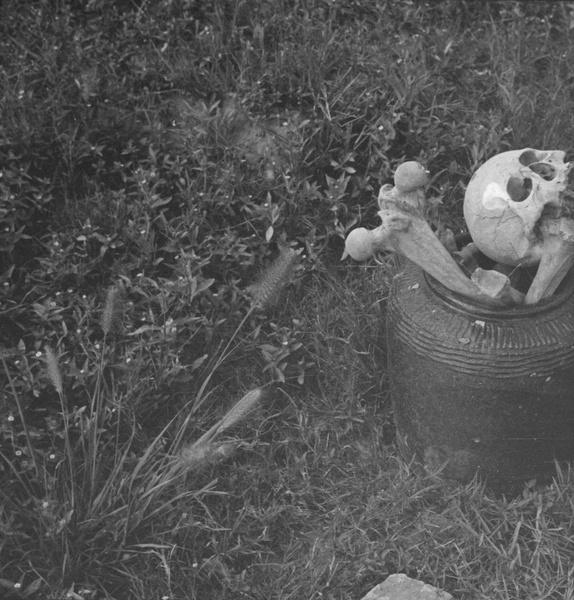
(546, 171)
(528, 157)
(519, 189)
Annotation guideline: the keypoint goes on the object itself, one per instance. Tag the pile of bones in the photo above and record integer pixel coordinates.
(520, 216)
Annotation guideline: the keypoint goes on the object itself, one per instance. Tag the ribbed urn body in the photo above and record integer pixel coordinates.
(481, 391)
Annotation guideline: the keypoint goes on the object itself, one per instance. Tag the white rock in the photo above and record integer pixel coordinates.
(401, 587)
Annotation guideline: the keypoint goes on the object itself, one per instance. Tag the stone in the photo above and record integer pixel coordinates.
(401, 587)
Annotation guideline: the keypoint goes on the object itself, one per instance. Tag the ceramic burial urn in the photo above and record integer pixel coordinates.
(480, 337)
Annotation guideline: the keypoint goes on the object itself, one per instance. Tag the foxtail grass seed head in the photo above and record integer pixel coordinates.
(241, 409)
(236, 413)
(265, 292)
(110, 319)
(54, 370)
(199, 455)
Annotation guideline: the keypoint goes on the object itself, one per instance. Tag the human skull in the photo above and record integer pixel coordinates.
(509, 195)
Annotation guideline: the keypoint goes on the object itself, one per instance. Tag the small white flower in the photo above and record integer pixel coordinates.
(18, 453)
(38, 354)
(10, 418)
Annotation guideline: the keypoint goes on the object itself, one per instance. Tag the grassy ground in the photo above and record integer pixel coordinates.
(194, 397)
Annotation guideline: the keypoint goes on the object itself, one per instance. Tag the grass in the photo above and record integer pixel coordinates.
(194, 399)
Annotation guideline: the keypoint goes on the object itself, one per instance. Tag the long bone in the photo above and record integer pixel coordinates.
(412, 237)
(557, 252)
(405, 230)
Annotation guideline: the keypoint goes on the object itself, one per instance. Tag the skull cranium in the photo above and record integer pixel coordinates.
(509, 195)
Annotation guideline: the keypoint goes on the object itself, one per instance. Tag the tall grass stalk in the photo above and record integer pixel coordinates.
(264, 293)
(55, 377)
